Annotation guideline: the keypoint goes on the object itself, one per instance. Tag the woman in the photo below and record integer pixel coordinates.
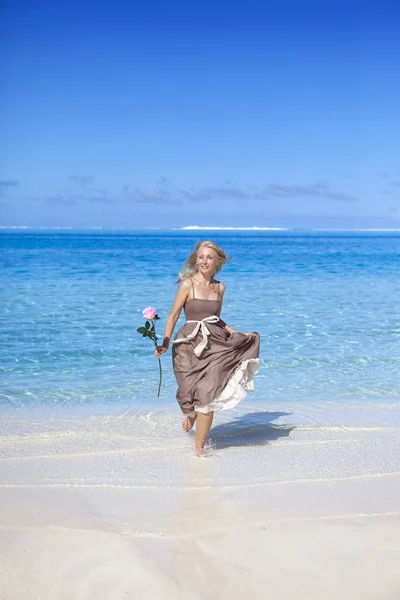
(213, 363)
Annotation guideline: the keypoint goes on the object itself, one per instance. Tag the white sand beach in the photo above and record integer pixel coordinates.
(296, 502)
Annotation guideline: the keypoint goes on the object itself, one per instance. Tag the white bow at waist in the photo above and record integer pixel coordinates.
(200, 325)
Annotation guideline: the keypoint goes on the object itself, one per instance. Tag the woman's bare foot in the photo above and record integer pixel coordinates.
(200, 451)
(188, 423)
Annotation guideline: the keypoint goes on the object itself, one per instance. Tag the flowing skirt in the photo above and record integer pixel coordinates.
(221, 377)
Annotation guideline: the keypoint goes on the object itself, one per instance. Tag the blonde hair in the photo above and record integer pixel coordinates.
(189, 267)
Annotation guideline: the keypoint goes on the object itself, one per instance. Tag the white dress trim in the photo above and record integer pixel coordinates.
(235, 390)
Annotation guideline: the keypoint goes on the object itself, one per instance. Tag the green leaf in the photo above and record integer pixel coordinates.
(147, 325)
(157, 318)
(141, 330)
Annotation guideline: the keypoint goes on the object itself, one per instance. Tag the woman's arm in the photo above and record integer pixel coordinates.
(181, 296)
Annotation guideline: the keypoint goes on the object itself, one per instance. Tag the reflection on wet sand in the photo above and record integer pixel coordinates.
(198, 512)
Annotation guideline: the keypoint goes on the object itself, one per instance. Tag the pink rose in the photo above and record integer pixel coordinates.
(149, 331)
(149, 312)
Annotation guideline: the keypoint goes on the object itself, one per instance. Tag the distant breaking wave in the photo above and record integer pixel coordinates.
(195, 227)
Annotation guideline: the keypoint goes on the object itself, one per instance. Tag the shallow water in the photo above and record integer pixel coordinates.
(326, 306)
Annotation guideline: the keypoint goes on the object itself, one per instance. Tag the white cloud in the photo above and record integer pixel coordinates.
(320, 189)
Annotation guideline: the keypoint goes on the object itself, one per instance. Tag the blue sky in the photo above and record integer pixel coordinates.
(165, 114)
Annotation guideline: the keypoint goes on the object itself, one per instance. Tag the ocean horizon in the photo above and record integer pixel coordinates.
(201, 228)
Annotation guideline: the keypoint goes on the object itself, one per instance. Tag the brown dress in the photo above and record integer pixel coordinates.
(213, 368)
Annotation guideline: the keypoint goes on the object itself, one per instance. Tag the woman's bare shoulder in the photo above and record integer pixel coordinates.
(184, 287)
(186, 284)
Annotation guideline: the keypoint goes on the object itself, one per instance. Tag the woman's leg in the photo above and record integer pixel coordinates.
(203, 426)
(188, 423)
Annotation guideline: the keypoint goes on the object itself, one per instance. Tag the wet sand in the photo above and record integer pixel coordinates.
(298, 502)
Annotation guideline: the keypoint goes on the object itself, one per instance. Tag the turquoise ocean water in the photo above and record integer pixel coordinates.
(325, 303)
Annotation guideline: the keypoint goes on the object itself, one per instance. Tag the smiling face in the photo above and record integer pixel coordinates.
(207, 261)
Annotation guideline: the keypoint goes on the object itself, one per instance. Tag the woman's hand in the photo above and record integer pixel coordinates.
(160, 350)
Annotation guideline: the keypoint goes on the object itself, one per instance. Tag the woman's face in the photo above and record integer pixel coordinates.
(207, 261)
